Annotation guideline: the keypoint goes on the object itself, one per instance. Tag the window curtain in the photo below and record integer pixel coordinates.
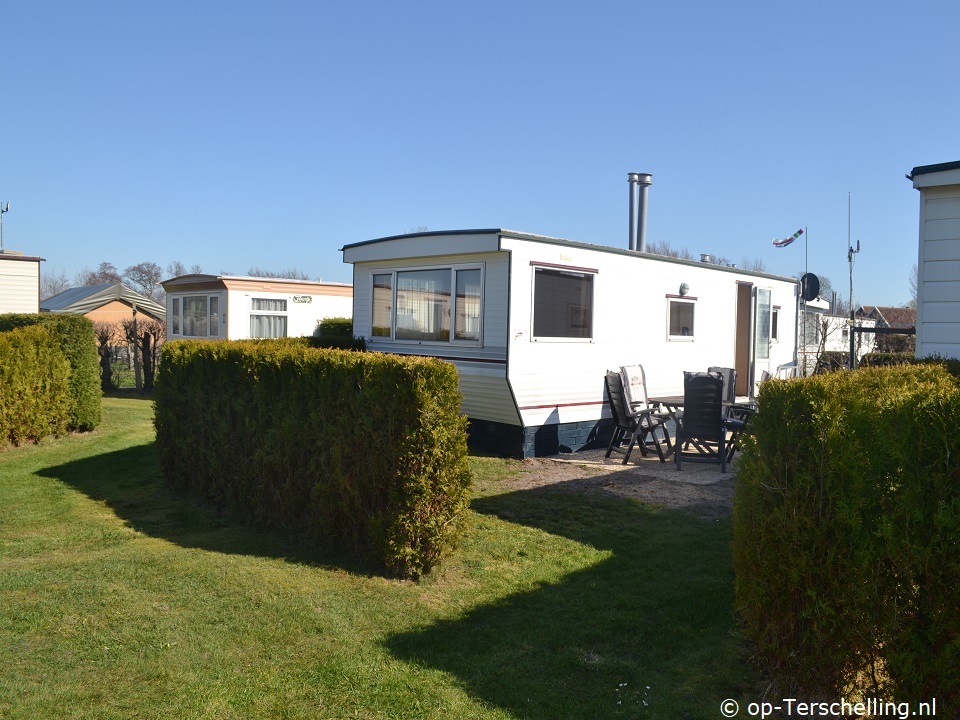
(268, 326)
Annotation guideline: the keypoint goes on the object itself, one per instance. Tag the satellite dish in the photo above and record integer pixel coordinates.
(809, 286)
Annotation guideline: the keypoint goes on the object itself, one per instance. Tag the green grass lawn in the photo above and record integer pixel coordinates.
(121, 600)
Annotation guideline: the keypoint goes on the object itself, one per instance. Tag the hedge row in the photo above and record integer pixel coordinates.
(74, 333)
(34, 377)
(336, 332)
(846, 530)
(363, 449)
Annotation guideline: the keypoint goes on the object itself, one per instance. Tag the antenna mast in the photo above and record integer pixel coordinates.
(850, 253)
(4, 209)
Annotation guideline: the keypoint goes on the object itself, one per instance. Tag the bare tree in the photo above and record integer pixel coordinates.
(148, 337)
(51, 285)
(753, 264)
(177, 269)
(105, 274)
(664, 248)
(289, 274)
(914, 286)
(107, 334)
(145, 278)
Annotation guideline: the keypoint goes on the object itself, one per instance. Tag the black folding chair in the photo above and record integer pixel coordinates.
(702, 431)
(637, 429)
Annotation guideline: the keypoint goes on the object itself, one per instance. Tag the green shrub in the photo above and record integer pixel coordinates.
(339, 327)
(884, 359)
(336, 333)
(846, 524)
(365, 449)
(77, 341)
(34, 377)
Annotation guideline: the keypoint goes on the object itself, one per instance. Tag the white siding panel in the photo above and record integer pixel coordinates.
(940, 291)
(940, 312)
(486, 395)
(19, 286)
(362, 299)
(943, 208)
(941, 271)
(942, 333)
(941, 249)
(947, 350)
(942, 229)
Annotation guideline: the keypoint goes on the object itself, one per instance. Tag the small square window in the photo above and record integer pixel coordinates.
(680, 320)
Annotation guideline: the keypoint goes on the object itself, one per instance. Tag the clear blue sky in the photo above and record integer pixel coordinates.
(270, 134)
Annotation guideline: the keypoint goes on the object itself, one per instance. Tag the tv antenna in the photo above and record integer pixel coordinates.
(850, 253)
(4, 209)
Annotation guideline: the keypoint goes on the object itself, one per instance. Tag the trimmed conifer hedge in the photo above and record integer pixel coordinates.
(364, 449)
(74, 334)
(34, 377)
(846, 533)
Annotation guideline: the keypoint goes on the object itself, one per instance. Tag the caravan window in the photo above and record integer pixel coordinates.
(680, 315)
(436, 304)
(382, 304)
(268, 317)
(562, 303)
(200, 316)
(763, 324)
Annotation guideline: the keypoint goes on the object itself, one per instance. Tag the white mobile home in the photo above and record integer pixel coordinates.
(19, 282)
(237, 308)
(533, 322)
(938, 266)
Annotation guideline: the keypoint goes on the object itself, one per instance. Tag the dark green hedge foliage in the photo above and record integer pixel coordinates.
(34, 377)
(336, 333)
(341, 327)
(364, 449)
(884, 359)
(846, 533)
(78, 344)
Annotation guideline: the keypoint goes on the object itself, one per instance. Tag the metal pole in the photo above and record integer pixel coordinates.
(4, 209)
(632, 180)
(136, 351)
(643, 179)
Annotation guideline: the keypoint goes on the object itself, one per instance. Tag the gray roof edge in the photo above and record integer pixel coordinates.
(939, 167)
(627, 252)
(580, 244)
(428, 233)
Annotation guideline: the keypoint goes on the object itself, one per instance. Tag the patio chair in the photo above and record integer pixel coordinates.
(702, 430)
(788, 370)
(729, 376)
(637, 429)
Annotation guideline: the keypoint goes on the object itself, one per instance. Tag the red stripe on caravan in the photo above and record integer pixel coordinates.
(559, 405)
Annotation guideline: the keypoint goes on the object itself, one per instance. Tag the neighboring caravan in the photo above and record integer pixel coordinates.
(236, 308)
(938, 265)
(533, 322)
(19, 282)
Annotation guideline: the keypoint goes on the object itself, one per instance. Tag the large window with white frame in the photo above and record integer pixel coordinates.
(429, 304)
(196, 316)
(562, 303)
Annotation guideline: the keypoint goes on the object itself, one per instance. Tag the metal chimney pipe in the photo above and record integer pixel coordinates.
(632, 179)
(643, 180)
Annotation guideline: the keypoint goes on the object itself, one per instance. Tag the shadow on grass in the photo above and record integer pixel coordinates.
(129, 481)
(647, 632)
